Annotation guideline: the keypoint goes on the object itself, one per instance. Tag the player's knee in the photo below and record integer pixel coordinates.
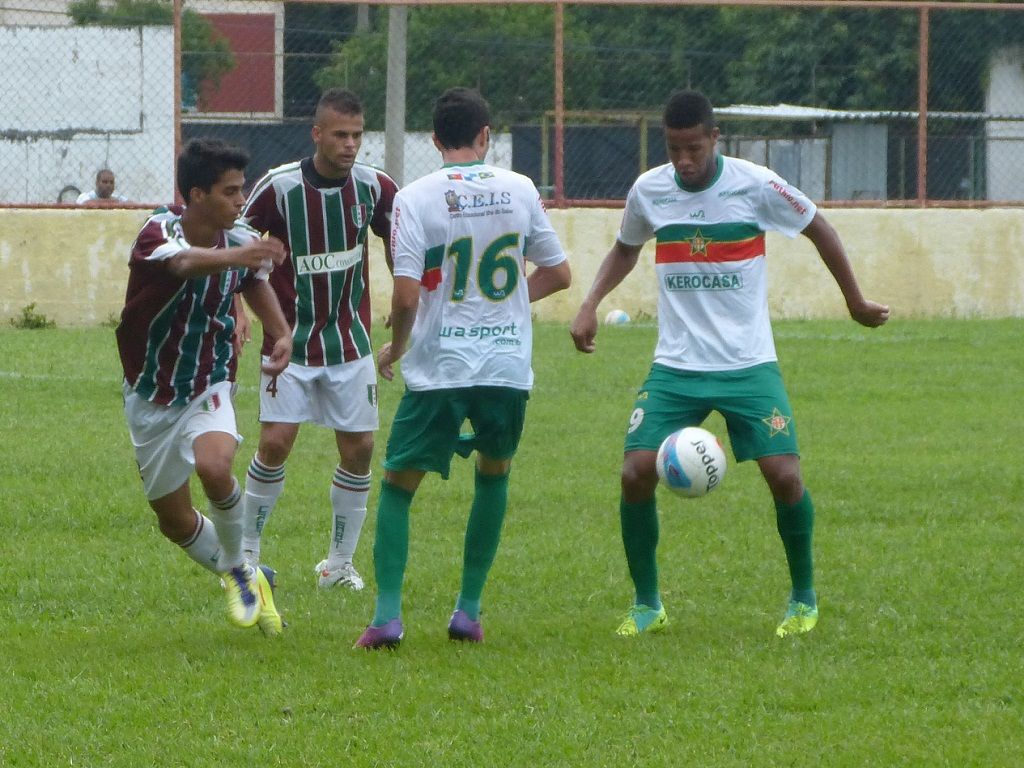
(272, 454)
(639, 477)
(214, 468)
(273, 450)
(786, 485)
(356, 452)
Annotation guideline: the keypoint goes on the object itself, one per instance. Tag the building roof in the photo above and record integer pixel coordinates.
(795, 112)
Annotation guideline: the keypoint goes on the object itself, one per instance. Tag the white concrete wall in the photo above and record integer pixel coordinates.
(925, 263)
(70, 107)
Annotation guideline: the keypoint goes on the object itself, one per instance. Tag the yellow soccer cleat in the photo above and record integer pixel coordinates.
(242, 594)
(643, 619)
(270, 622)
(800, 618)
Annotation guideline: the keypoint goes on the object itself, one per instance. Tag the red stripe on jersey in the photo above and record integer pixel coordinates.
(431, 279)
(709, 251)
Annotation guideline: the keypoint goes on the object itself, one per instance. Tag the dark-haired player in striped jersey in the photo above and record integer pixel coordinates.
(175, 343)
(708, 215)
(323, 208)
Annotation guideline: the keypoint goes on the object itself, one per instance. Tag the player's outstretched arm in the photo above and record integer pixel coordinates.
(619, 262)
(830, 248)
(263, 301)
(200, 262)
(544, 281)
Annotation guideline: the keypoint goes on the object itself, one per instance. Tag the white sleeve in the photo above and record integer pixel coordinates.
(783, 208)
(407, 248)
(635, 228)
(542, 246)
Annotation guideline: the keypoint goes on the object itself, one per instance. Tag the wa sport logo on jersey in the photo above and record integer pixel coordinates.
(501, 335)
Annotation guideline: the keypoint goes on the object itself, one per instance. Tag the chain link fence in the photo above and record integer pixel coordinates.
(829, 95)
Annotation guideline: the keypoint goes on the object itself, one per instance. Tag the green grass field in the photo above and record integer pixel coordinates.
(114, 650)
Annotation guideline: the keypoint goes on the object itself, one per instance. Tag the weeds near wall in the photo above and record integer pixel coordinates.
(29, 319)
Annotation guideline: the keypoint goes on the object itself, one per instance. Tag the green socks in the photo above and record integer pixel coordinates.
(796, 527)
(483, 533)
(640, 538)
(390, 551)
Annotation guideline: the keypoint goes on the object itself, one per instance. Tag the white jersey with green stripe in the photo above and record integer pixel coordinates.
(465, 232)
(710, 259)
(323, 286)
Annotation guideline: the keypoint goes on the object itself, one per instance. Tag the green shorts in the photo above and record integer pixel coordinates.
(425, 432)
(752, 400)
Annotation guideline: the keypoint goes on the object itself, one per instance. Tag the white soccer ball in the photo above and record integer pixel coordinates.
(616, 317)
(691, 462)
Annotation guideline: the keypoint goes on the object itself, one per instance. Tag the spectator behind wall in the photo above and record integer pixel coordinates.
(104, 191)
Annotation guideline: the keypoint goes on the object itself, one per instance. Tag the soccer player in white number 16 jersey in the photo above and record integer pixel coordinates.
(460, 238)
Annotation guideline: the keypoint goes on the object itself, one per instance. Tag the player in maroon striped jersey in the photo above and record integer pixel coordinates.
(175, 343)
(324, 208)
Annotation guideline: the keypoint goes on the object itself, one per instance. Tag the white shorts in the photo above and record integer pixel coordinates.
(162, 435)
(340, 397)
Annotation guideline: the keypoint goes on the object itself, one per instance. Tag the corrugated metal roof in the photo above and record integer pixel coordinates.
(796, 112)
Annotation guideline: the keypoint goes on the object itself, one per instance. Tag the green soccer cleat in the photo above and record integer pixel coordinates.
(270, 622)
(243, 601)
(799, 619)
(642, 619)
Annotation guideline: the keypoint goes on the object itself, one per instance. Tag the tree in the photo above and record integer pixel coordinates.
(206, 55)
(504, 51)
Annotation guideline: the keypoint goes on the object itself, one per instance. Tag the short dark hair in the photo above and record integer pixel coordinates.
(459, 116)
(203, 161)
(101, 171)
(340, 100)
(686, 109)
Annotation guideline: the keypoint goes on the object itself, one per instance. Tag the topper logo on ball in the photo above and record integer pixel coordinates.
(710, 465)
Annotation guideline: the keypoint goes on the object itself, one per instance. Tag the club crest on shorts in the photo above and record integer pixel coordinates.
(777, 423)
(371, 394)
(213, 403)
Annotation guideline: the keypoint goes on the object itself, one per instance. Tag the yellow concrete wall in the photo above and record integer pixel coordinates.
(949, 263)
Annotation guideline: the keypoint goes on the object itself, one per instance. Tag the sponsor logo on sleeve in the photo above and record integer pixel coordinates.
(788, 196)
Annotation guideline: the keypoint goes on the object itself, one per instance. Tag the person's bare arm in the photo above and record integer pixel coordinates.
(544, 281)
(619, 262)
(830, 249)
(405, 300)
(260, 296)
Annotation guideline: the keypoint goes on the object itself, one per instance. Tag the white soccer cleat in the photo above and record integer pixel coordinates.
(344, 575)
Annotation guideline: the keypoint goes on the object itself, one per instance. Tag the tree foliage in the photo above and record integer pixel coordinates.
(630, 58)
(507, 52)
(206, 55)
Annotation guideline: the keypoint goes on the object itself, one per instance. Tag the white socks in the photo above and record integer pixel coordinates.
(349, 494)
(203, 546)
(263, 486)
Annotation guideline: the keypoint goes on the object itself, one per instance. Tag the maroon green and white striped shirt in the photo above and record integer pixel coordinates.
(324, 284)
(174, 337)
